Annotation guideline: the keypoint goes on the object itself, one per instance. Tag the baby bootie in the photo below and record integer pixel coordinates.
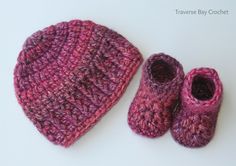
(201, 96)
(150, 112)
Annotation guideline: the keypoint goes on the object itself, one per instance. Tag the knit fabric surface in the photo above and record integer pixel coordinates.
(150, 113)
(70, 74)
(201, 96)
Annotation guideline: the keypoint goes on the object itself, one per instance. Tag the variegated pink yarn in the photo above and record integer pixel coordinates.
(150, 113)
(195, 121)
(70, 74)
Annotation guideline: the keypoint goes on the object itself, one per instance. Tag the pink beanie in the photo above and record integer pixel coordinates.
(70, 74)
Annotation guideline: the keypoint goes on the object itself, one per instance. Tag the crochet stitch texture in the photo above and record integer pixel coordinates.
(201, 96)
(70, 74)
(150, 113)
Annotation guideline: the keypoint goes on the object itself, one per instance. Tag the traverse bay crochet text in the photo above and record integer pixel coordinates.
(201, 12)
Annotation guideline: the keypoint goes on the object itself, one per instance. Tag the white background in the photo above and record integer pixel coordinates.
(153, 27)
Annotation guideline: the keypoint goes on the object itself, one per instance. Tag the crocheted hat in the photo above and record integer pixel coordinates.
(201, 96)
(70, 74)
(150, 112)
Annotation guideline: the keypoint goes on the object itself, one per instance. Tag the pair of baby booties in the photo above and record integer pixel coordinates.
(70, 74)
(166, 99)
